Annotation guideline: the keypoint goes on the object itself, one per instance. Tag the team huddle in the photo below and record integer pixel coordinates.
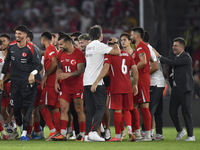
(71, 85)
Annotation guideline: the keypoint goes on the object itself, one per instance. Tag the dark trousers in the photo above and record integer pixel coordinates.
(95, 104)
(156, 107)
(184, 100)
(75, 118)
(22, 97)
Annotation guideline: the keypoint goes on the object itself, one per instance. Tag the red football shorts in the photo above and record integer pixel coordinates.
(49, 97)
(143, 93)
(69, 97)
(5, 102)
(121, 101)
(39, 92)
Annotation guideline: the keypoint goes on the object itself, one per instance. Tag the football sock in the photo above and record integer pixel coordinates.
(24, 132)
(146, 118)
(127, 117)
(82, 126)
(47, 117)
(56, 120)
(29, 130)
(1, 127)
(63, 127)
(136, 119)
(36, 127)
(102, 128)
(117, 122)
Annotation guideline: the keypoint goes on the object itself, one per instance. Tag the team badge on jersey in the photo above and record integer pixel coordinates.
(24, 54)
(73, 62)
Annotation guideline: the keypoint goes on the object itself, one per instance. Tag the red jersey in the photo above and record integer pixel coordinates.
(119, 72)
(144, 73)
(49, 54)
(69, 64)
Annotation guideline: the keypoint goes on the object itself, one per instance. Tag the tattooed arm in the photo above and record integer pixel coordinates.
(78, 72)
(143, 61)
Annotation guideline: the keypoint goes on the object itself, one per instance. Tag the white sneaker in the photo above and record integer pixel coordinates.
(145, 139)
(180, 135)
(93, 135)
(86, 139)
(107, 134)
(43, 135)
(158, 137)
(190, 138)
(73, 136)
(123, 134)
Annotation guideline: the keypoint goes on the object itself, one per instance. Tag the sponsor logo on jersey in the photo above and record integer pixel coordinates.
(1, 60)
(51, 53)
(73, 62)
(62, 60)
(24, 54)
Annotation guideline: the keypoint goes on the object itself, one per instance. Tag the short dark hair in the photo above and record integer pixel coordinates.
(30, 35)
(76, 34)
(1, 42)
(66, 38)
(95, 32)
(53, 35)
(146, 37)
(138, 30)
(6, 36)
(84, 37)
(61, 33)
(180, 40)
(21, 28)
(47, 35)
(126, 35)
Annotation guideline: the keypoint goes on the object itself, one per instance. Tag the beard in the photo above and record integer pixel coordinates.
(133, 41)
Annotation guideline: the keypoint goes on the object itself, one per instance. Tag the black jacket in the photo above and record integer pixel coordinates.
(182, 71)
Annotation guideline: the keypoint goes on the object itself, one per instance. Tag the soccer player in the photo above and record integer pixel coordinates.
(121, 89)
(3, 134)
(49, 104)
(126, 45)
(95, 103)
(84, 40)
(70, 72)
(141, 56)
(5, 38)
(25, 64)
(156, 92)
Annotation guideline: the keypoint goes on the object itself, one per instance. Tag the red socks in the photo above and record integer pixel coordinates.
(56, 120)
(127, 117)
(135, 119)
(63, 124)
(82, 126)
(1, 127)
(146, 118)
(47, 117)
(117, 122)
(29, 130)
(36, 127)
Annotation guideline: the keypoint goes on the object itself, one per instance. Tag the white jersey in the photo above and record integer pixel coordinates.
(157, 78)
(1, 60)
(94, 61)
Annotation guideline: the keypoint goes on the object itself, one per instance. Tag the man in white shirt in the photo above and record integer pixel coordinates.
(95, 103)
(156, 91)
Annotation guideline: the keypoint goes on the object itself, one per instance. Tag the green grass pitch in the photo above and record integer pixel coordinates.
(167, 144)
